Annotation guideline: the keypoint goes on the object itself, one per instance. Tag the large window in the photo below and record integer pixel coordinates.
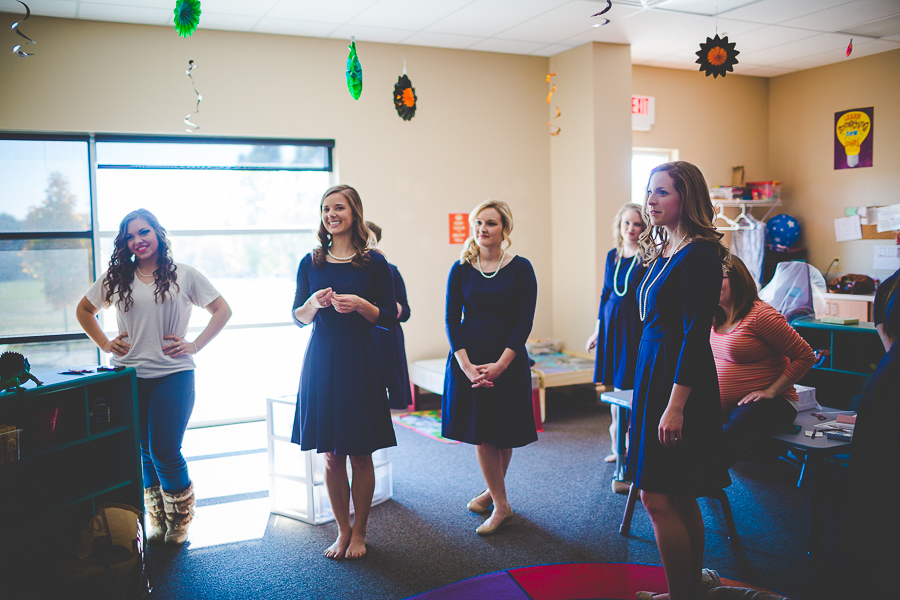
(644, 160)
(243, 212)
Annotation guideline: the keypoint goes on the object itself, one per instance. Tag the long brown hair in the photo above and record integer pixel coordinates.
(698, 216)
(122, 264)
(743, 291)
(892, 317)
(471, 251)
(359, 234)
(617, 225)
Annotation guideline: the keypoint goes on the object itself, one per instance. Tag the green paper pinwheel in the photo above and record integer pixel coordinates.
(187, 17)
(354, 71)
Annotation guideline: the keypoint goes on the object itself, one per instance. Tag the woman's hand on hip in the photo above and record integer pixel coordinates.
(670, 425)
(117, 345)
(178, 347)
(755, 397)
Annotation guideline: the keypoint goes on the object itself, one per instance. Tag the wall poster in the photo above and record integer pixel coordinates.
(853, 138)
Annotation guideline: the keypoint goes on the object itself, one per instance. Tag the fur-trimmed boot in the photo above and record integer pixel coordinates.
(179, 514)
(155, 510)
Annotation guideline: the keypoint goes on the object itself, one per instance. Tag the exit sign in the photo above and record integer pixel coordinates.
(643, 112)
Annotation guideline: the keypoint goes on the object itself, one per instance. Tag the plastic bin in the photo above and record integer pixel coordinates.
(763, 190)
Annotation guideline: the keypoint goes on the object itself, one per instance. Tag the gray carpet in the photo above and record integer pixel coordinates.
(560, 488)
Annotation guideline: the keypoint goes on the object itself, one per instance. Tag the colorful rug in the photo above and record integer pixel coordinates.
(578, 581)
(426, 422)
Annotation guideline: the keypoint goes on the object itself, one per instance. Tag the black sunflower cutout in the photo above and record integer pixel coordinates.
(717, 56)
(405, 98)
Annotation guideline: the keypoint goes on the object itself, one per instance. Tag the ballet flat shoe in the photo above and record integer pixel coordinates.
(477, 507)
(621, 487)
(647, 595)
(485, 529)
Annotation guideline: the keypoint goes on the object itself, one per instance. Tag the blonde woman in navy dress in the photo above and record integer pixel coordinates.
(676, 417)
(618, 319)
(343, 290)
(487, 384)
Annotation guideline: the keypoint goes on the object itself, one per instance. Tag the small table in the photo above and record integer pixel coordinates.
(622, 401)
(816, 450)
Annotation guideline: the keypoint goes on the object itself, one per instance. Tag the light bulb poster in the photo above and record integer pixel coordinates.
(853, 138)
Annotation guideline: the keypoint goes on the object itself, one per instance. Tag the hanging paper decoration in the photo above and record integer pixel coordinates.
(605, 20)
(187, 119)
(850, 48)
(558, 112)
(17, 49)
(354, 71)
(717, 56)
(405, 96)
(187, 17)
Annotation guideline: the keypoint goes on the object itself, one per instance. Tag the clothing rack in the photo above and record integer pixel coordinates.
(741, 221)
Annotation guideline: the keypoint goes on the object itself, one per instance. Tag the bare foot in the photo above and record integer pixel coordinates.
(339, 548)
(357, 547)
(611, 458)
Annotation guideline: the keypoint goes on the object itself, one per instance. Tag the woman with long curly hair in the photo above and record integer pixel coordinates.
(153, 296)
(676, 417)
(344, 289)
(491, 297)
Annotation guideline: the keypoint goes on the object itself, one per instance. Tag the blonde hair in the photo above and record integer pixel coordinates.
(617, 225)
(697, 220)
(470, 249)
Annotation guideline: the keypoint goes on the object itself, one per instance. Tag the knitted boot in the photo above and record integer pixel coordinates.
(179, 514)
(155, 520)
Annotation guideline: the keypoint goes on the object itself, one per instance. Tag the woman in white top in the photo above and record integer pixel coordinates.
(153, 297)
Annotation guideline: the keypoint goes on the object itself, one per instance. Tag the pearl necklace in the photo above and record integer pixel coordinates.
(494, 274)
(627, 275)
(142, 274)
(341, 258)
(643, 297)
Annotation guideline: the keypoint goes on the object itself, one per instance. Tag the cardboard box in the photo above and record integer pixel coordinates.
(806, 398)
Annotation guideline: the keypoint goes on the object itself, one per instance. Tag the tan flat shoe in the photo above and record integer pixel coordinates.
(485, 529)
(476, 507)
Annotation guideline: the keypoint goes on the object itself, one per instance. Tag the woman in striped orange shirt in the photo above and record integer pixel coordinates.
(759, 358)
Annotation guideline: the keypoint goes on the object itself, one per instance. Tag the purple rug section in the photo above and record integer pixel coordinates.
(496, 586)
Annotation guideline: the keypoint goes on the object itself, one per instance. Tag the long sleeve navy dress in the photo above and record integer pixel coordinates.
(620, 323)
(342, 406)
(675, 348)
(486, 316)
(393, 349)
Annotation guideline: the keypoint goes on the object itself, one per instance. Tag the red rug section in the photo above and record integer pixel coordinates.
(589, 580)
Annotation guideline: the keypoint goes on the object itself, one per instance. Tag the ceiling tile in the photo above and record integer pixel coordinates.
(551, 50)
(441, 40)
(490, 17)
(66, 9)
(774, 12)
(690, 35)
(823, 42)
(257, 8)
(555, 25)
(293, 27)
(507, 46)
(371, 34)
(228, 22)
(770, 37)
(846, 15)
(863, 47)
(768, 71)
(704, 7)
(403, 14)
(329, 11)
(124, 14)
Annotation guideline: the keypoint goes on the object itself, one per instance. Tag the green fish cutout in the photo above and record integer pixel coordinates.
(354, 72)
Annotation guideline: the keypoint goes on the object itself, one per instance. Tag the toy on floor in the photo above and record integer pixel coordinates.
(14, 371)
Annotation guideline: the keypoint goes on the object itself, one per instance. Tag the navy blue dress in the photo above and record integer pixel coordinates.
(342, 406)
(499, 314)
(620, 323)
(393, 350)
(675, 348)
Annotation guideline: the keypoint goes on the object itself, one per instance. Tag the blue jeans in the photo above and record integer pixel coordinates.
(165, 405)
(753, 422)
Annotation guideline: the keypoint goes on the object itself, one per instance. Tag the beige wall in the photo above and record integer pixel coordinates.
(590, 174)
(479, 132)
(801, 133)
(715, 123)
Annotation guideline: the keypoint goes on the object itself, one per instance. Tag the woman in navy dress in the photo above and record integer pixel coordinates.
(676, 417)
(344, 290)
(866, 523)
(391, 341)
(618, 320)
(487, 383)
